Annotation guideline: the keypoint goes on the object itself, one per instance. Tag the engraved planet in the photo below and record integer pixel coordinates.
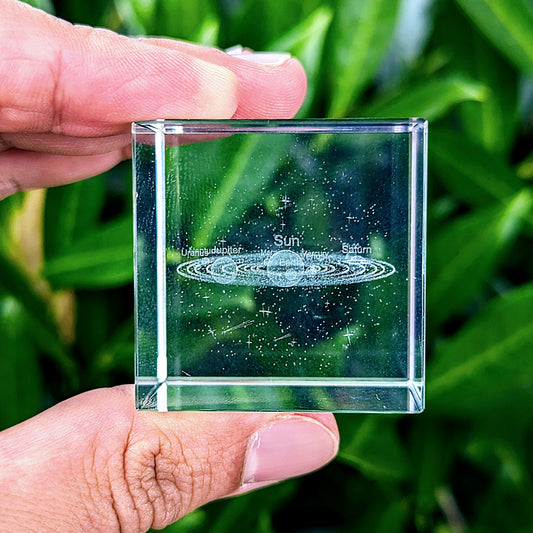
(286, 269)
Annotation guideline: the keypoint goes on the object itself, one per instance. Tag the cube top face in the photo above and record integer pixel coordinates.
(280, 265)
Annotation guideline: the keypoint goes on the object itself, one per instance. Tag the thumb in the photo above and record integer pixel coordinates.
(94, 463)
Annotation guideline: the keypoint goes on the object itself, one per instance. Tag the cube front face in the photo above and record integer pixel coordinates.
(279, 265)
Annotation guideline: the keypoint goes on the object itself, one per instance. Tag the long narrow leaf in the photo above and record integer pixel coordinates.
(375, 449)
(45, 5)
(462, 257)
(362, 30)
(176, 18)
(306, 42)
(20, 377)
(15, 282)
(71, 211)
(469, 171)
(488, 364)
(492, 121)
(508, 25)
(9, 209)
(430, 100)
(208, 32)
(103, 258)
(245, 179)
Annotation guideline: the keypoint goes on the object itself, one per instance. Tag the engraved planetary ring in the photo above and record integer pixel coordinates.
(286, 269)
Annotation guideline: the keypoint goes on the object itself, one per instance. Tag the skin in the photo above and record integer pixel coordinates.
(93, 463)
(69, 93)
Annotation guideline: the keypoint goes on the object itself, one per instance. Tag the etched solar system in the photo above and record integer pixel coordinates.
(280, 265)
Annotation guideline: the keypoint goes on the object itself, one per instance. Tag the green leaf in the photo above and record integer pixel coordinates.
(373, 447)
(45, 5)
(414, 26)
(243, 512)
(103, 258)
(176, 18)
(208, 32)
(194, 522)
(525, 168)
(518, 515)
(497, 453)
(116, 352)
(145, 11)
(257, 23)
(9, 209)
(429, 99)
(462, 257)
(306, 42)
(433, 452)
(129, 18)
(393, 518)
(81, 11)
(492, 121)
(246, 180)
(71, 211)
(487, 365)
(14, 281)
(20, 376)
(470, 172)
(508, 25)
(362, 31)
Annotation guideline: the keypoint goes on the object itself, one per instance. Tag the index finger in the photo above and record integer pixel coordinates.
(81, 81)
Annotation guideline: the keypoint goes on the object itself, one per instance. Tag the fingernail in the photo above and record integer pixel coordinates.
(237, 49)
(273, 59)
(287, 448)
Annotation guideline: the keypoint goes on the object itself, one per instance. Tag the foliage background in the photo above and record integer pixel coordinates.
(464, 465)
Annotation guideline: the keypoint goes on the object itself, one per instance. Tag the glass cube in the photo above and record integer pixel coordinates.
(280, 265)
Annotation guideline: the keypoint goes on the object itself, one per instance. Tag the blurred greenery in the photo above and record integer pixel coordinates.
(465, 465)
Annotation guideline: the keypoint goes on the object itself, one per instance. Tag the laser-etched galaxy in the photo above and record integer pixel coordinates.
(286, 269)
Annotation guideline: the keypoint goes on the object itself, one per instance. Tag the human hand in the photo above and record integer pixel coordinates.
(93, 463)
(69, 93)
